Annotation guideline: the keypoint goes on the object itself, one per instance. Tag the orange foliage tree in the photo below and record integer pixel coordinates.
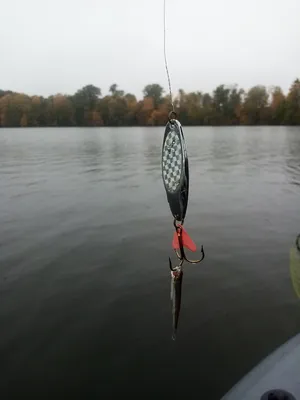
(227, 105)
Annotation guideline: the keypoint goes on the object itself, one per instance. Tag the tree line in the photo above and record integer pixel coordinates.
(226, 105)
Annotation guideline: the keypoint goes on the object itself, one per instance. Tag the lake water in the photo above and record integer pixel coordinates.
(85, 236)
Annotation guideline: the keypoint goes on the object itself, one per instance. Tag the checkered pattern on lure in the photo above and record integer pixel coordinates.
(172, 161)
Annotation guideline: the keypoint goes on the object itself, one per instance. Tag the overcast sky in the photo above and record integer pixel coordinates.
(58, 46)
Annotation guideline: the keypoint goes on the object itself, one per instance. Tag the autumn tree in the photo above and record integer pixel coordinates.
(4, 102)
(144, 111)
(35, 111)
(63, 112)
(159, 115)
(131, 104)
(226, 105)
(293, 104)
(13, 108)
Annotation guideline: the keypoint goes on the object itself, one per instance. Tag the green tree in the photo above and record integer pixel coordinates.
(220, 105)
(277, 106)
(114, 91)
(154, 91)
(255, 106)
(114, 108)
(235, 102)
(85, 100)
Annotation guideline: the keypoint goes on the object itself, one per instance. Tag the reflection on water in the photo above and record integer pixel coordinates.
(91, 150)
(224, 146)
(85, 235)
(293, 155)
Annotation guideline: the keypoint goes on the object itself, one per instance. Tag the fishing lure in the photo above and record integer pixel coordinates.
(175, 174)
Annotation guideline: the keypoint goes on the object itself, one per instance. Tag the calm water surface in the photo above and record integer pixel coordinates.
(85, 235)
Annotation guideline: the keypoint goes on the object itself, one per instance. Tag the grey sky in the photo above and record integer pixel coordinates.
(60, 45)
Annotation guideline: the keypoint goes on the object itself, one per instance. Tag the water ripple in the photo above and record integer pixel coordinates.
(85, 236)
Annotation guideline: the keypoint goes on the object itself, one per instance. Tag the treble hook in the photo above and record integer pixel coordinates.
(182, 256)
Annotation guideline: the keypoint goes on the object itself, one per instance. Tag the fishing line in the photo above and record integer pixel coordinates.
(166, 62)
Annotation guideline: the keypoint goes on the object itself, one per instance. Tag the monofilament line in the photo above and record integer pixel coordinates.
(166, 63)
